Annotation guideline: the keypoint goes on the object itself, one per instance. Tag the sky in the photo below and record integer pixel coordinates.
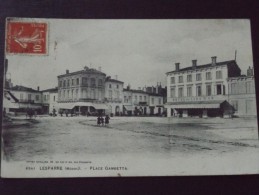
(140, 52)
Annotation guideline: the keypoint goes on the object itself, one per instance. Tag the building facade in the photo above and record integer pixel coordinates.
(83, 91)
(19, 99)
(242, 95)
(113, 95)
(200, 90)
(49, 100)
(140, 102)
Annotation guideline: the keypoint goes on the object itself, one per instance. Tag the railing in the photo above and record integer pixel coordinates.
(27, 101)
(115, 100)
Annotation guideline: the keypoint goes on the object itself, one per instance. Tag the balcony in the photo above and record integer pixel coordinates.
(113, 100)
(27, 101)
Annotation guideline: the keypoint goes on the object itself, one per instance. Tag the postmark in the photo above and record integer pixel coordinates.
(26, 38)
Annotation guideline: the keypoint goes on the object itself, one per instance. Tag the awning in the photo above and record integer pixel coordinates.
(100, 106)
(195, 105)
(129, 108)
(66, 106)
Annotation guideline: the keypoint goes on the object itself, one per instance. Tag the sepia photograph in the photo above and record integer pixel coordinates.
(109, 98)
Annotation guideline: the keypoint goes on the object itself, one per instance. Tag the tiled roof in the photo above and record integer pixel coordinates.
(51, 90)
(22, 88)
(113, 80)
(203, 66)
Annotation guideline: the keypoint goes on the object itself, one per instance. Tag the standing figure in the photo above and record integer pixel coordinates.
(107, 118)
(66, 113)
(98, 120)
(102, 120)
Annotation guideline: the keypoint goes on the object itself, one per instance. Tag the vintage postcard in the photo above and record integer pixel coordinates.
(91, 98)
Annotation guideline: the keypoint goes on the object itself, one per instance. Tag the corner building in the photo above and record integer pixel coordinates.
(83, 91)
(200, 90)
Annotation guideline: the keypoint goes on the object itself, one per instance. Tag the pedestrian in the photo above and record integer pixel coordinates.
(98, 120)
(107, 118)
(102, 120)
(66, 113)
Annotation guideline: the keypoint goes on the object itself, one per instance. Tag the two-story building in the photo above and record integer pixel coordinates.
(49, 100)
(82, 91)
(242, 94)
(140, 102)
(20, 98)
(113, 95)
(200, 90)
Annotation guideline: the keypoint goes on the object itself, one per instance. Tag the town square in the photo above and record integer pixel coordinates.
(116, 96)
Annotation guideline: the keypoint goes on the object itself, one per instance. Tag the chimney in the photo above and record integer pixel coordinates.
(194, 64)
(177, 66)
(67, 71)
(38, 88)
(213, 60)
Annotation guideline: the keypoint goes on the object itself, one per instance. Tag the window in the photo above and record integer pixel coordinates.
(159, 101)
(110, 86)
(110, 94)
(198, 77)
(219, 91)
(198, 92)
(48, 97)
(60, 83)
(117, 86)
(72, 93)
(180, 79)
(152, 100)
(76, 93)
(180, 92)
(136, 98)
(172, 93)
(208, 75)
(234, 89)
(172, 80)
(85, 81)
(29, 96)
(249, 87)
(54, 98)
(64, 83)
(140, 98)
(100, 82)
(37, 97)
(145, 98)
(21, 96)
(219, 74)
(235, 104)
(73, 82)
(77, 81)
(68, 83)
(189, 78)
(64, 94)
(129, 98)
(68, 94)
(125, 99)
(45, 98)
(189, 91)
(92, 82)
(117, 94)
(208, 90)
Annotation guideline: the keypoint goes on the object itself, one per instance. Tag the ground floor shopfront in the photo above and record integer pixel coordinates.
(202, 109)
(143, 110)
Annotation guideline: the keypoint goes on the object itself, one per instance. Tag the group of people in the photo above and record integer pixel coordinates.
(103, 120)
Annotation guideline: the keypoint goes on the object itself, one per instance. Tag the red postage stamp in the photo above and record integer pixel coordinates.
(26, 38)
